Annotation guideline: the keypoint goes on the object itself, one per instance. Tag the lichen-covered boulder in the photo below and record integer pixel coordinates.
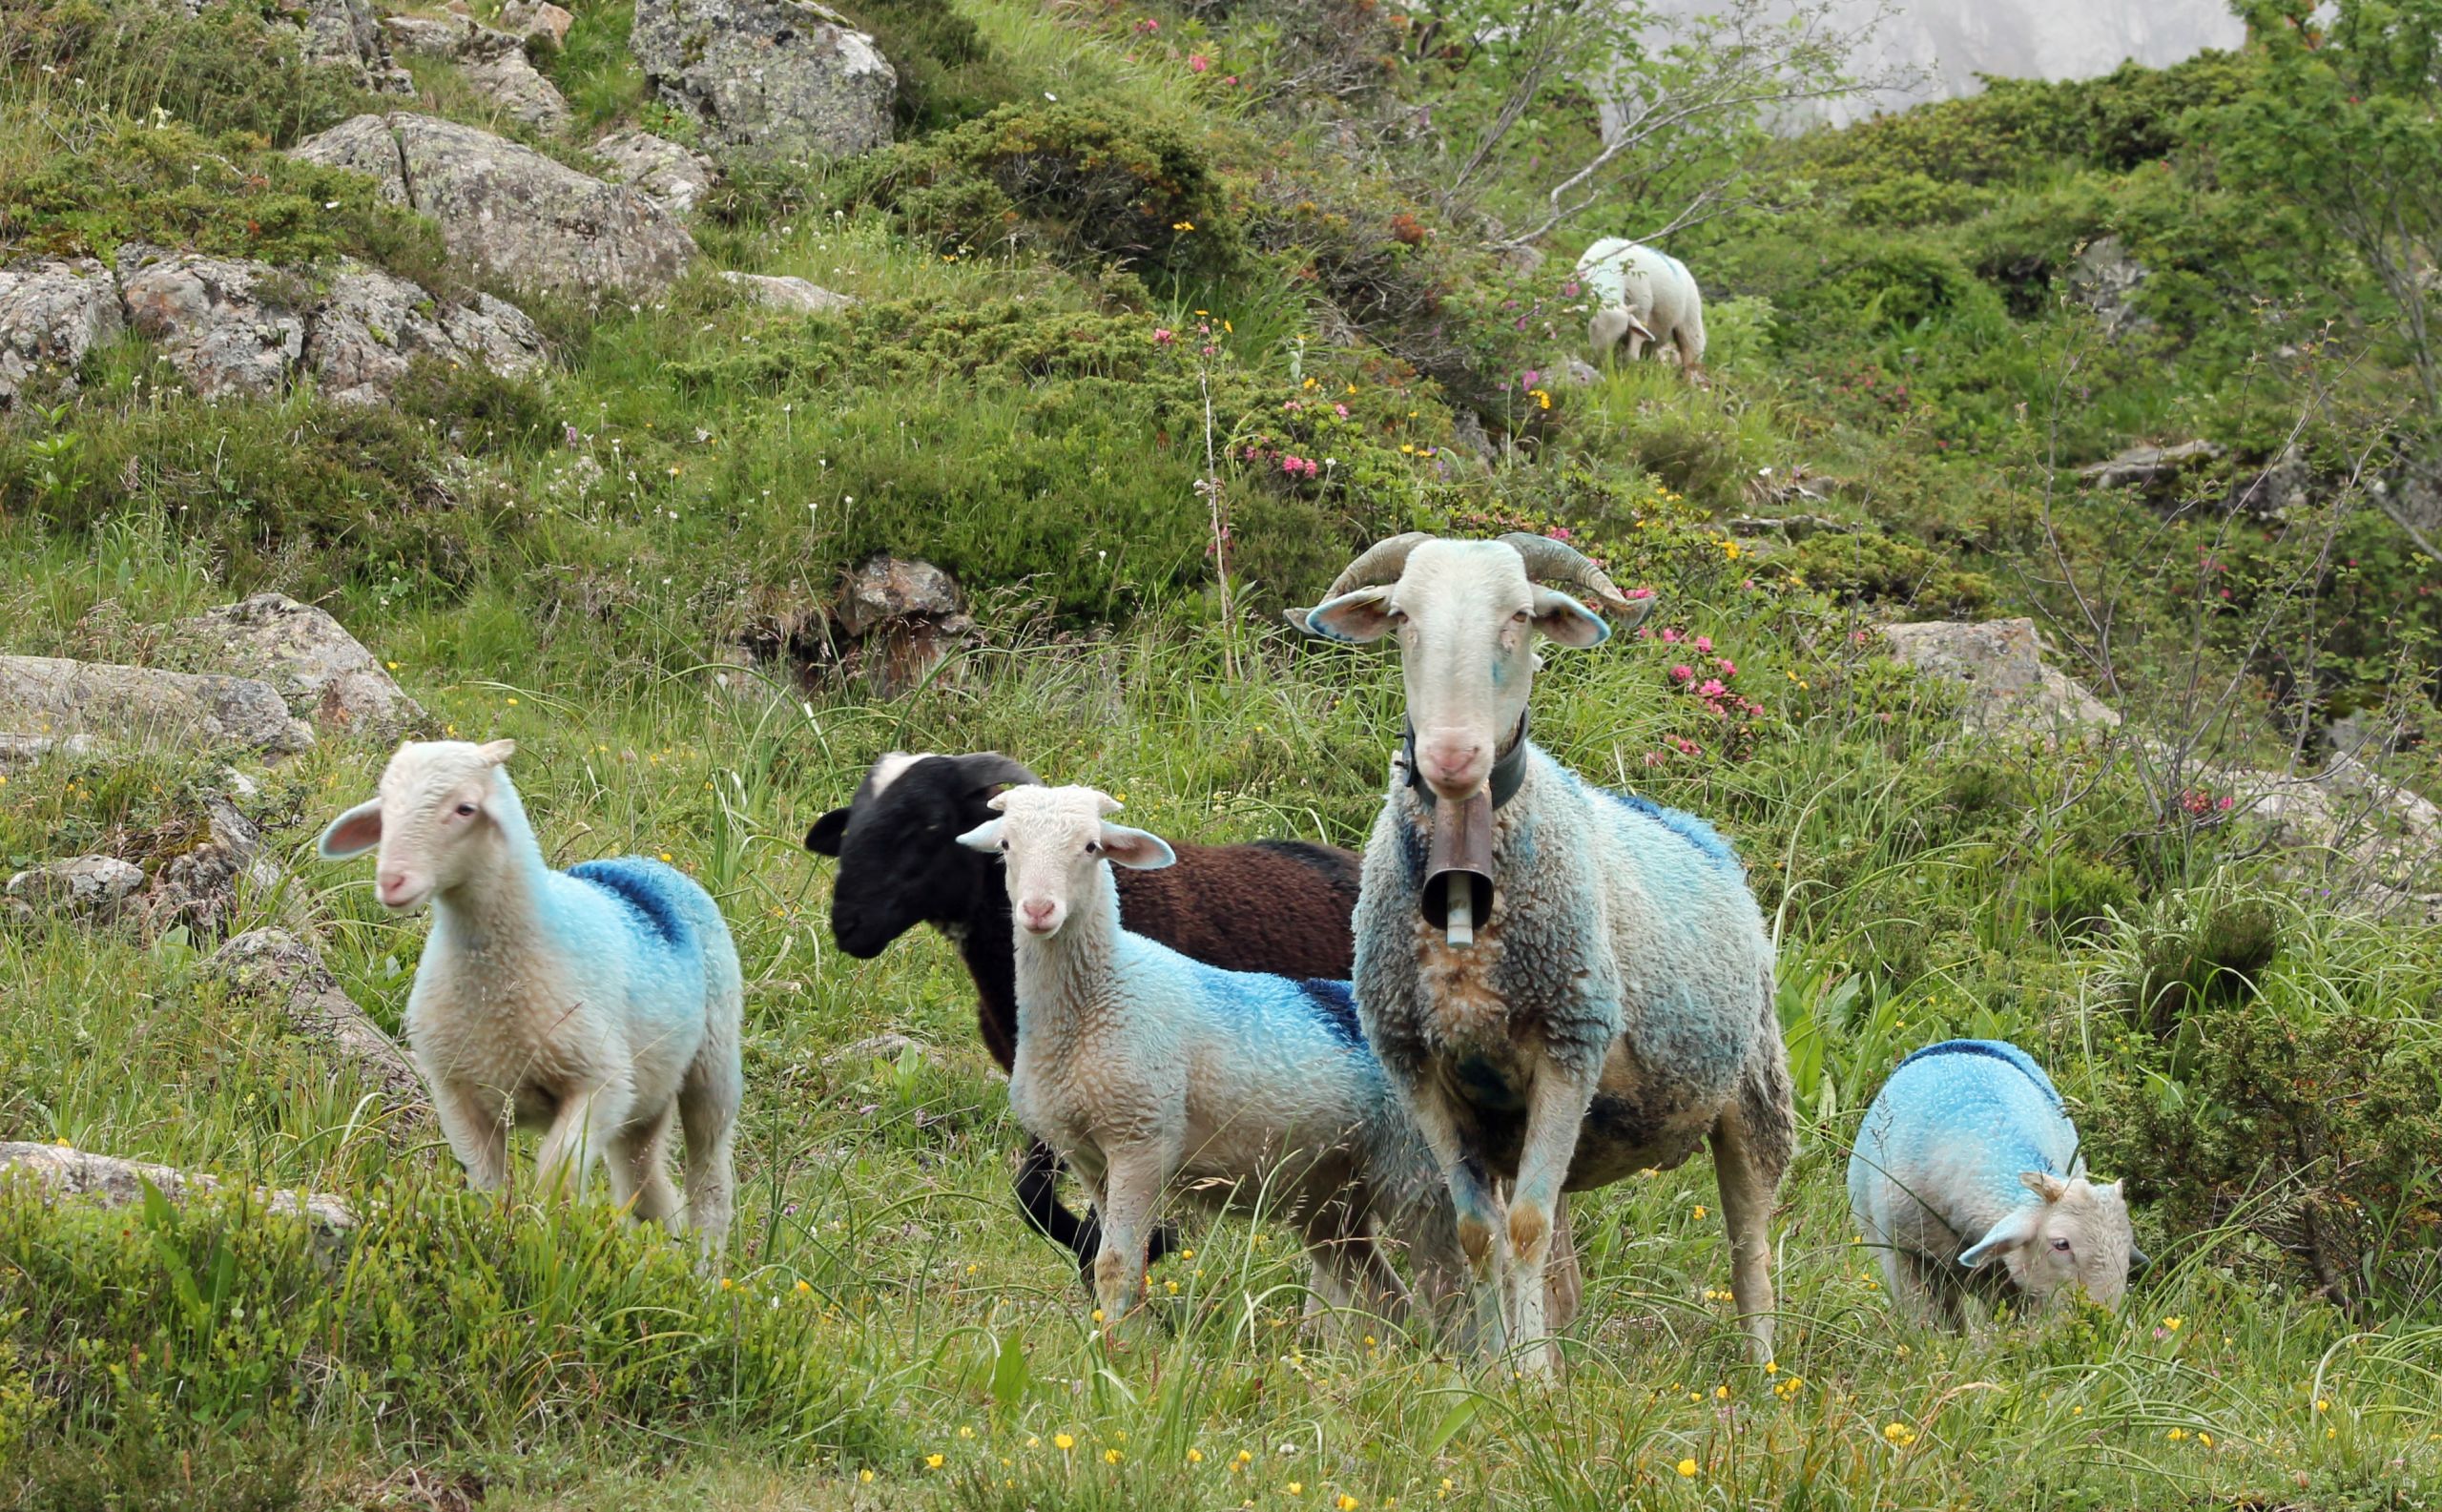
(793, 295)
(2008, 682)
(94, 887)
(495, 66)
(51, 697)
(674, 176)
(371, 326)
(507, 209)
(325, 674)
(65, 1173)
(228, 327)
(53, 312)
(781, 79)
(273, 964)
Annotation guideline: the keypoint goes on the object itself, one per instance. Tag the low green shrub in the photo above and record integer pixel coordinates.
(946, 70)
(227, 68)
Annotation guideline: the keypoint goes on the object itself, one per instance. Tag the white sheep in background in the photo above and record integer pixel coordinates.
(1146, 1069)
(1966, 1173)
(1614, 1008)
(600, 1001)
(1642, 295)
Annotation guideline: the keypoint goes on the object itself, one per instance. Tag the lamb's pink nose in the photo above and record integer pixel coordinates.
(393, 886)
(1038, 914)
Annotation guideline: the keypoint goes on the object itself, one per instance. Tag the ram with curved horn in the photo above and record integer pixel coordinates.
(1566, 983)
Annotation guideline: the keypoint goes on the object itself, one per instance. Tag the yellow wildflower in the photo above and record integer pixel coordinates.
(1688, 1468)
(932, 1462)
(1112, 1456)
(1063, 1442)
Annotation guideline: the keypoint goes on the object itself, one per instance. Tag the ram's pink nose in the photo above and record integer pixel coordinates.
(1041, 915)
(1455, 764)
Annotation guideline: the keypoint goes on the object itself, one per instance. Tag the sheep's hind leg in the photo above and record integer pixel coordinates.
(708, 1118)
(639, 1169)
(1747, 1214)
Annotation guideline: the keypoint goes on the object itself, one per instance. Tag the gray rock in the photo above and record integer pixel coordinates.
(1579, 373)
(276, 965)
(796, 296)
(1467, 431)
(2008, 683)
(371, 326)
(438, 37)
(769, 78)
(228, 328)
(49, 696)
(63, 1173)
(339, 33)
(674, 176)
(904, 614)
(53, 312)
(537, 18)
(2156, 469)
(495, 66)
(323, 673)
(507, 209)
(2104, 279)
(198, 886)
(2285, 483)
(19, 751)
(95, 887)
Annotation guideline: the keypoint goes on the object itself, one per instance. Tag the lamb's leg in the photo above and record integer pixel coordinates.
(580, 1134)
(639, 1169)
(1919, 1290)
(708, 1116)
(1555, 1113)
(1132, 1182)
(1747, 1214)
(1478, 1209)
(475, 1124)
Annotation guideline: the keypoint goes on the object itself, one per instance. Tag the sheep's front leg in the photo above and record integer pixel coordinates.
(580, 1134)
(475, 1123)
(1555, 1113)
(1477, 1206)
(1132, 1182)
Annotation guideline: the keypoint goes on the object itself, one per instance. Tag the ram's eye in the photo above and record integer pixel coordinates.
(2060, 1245)
(465, 811)
(1522, 616)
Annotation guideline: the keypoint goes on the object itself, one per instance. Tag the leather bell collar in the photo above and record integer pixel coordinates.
(1508, 771)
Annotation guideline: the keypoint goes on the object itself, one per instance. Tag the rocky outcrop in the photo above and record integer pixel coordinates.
(509, 210)
(227, 326)
(674, 176)
(197, 886)
(49, 696)
(63, 1173)
(275, 967)
(18, 751)
(795, 296)
(53, 312)
(337, 34)
(2009, 685)
(90, 887)
(438, 37)
(777, 80)
(495, 66)
(371, 326)
(537, 18)
(2157, 471)
(325, 674)
(902, 615)
(2104, 279)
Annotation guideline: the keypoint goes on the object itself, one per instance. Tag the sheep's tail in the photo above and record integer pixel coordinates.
(1767, 1104)
(1038, 1185)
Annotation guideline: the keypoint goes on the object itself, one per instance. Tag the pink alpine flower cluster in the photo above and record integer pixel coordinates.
(2198, 803)
(1296, 469)
(1706, 678)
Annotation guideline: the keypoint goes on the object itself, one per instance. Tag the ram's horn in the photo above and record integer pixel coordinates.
(1550, 561)
(1381, 563)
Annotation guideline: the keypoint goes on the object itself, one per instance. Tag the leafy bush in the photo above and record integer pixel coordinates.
(946, 70)
(1870, 566)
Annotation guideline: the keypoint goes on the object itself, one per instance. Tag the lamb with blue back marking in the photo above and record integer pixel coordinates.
(1966, 1175)
(1148, 1070)
(600, 1003)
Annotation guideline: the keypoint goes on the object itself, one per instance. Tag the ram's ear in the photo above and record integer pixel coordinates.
(2007, 1234)
(353, 833)
(1136, 849)
(1357, 617)
(1563, 619)
(985, 837)
(823, 839)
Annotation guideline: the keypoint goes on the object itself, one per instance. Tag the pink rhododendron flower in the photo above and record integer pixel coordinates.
(1704, 644)
(1164, 336)
(1682, 673)
(1197, 62)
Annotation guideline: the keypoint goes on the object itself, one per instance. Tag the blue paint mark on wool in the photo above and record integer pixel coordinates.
(644, 886)
(1707, 839)
(1334, 1003)
(1997, 1050)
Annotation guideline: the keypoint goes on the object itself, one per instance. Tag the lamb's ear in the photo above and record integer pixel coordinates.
(2007, 1234)
(353, 833)
(1136, 849)
(496, 753)
(823, 839)
(2044, 1184)
(1357, 618)
(985, 837)
(1561, 618)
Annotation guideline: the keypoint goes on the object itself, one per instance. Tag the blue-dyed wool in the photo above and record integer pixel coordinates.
(1946, 1140)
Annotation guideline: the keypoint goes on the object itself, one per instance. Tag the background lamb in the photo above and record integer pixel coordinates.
(1614, 1008)
(600, 1003)
(1642, 295)
(1146, 1069)
(1966, 1172)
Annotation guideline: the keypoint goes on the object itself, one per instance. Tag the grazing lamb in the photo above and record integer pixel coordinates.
(1147, 1068)
(1966, 1173)
(1644, 296)
(1614, 1006)
(599, 1002)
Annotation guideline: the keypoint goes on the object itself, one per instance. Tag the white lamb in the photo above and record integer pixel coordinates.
(599, 1002)
(1644, 296)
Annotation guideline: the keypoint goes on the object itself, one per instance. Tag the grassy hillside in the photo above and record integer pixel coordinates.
(1048, 349)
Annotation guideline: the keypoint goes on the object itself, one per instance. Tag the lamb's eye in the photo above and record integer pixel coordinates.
(465, 811)
(1093, 847)
(2060, 1245)
(1004, 847)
